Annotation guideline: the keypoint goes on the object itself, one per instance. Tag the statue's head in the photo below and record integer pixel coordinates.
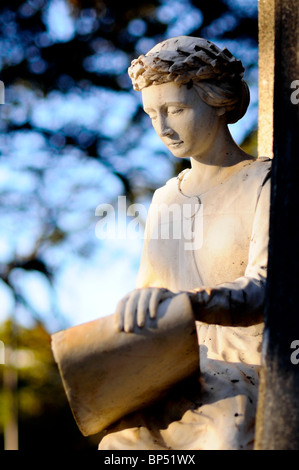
(216, 74)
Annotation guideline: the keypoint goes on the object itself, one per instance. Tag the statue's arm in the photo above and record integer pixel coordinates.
(241, 302)
(133, 309)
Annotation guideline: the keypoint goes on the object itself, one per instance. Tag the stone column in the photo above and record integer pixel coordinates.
(266, 78)
(278, 408)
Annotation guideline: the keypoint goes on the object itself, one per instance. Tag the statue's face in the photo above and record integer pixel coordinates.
(186, 125)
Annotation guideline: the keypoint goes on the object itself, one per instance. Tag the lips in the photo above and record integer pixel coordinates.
(175, 144)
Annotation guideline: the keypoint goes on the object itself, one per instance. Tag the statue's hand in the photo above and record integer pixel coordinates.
(199, 299)
(134, 308)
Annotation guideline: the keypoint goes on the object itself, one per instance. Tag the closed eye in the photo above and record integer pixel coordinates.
(151, 115)
(176, 111)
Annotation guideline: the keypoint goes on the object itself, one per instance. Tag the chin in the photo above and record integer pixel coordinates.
(178, 153)
(180, 156)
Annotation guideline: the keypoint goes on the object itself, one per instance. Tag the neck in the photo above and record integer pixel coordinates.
(217, 163)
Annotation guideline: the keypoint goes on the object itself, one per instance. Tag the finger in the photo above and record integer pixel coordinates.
(154, 302)
(143, 306)
(166, 294)
(130, 312)
(119, 314)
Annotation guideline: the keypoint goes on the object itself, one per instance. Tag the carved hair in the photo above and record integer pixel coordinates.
(216, 74)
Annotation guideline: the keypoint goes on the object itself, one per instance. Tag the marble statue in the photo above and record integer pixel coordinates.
(192, 90)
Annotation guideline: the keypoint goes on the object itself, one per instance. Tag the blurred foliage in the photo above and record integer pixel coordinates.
(43, 413)
(249, 144)
(73, 135)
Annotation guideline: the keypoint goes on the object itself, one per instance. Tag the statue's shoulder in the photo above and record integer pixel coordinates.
(166, 193)
(263, 166)
(258, 170)
(265, 162)
(256, 178)
(264, 159)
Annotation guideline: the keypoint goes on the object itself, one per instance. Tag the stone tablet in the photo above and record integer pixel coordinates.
(108, 374)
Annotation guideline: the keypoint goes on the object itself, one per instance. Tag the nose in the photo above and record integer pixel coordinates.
(166, 132)
(163, 128)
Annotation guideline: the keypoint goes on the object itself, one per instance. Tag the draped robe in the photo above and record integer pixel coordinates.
(227, 252)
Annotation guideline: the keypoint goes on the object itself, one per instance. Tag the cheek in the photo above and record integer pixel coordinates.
(205, 123)
(188, 124)
(204, 115)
